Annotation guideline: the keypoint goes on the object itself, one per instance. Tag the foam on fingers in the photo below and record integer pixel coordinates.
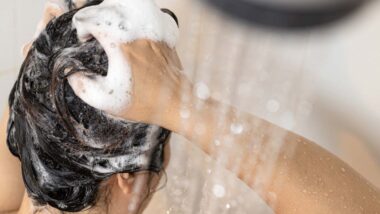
(112, 23)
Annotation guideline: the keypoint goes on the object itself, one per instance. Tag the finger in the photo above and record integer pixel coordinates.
(51, 11)
(25, 49)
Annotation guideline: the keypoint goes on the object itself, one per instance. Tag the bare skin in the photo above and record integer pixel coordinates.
(52, 9)
(310, 180)
(11, 185)
(305, 178)
(120, 188)
(14, 199)
(11, 182)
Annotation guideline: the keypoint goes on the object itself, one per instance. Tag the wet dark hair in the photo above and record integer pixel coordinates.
(66, 147)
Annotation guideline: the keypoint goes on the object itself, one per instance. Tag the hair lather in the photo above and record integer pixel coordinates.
(66, 147)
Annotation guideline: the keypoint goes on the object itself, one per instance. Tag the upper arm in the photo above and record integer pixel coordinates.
(11, 184)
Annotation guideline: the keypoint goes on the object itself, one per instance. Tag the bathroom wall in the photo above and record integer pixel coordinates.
(18, 21)
(323, 84)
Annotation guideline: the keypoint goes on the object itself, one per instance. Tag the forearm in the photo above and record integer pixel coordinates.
(291, 173)
(11, 185)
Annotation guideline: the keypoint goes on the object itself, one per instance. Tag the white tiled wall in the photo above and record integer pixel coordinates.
(18, 20)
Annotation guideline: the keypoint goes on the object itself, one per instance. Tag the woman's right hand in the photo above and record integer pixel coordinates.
(157, 83)
(144, 81)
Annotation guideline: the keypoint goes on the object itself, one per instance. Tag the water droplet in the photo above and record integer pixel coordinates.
(236, 128)
(273, 106)
(228, 206)
(218, 191)
(343, 169)
(185, 113)
(122, 27)
(217, 143)
(202, 91)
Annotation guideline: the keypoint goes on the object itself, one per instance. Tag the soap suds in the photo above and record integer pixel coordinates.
(66, 146)
(112, 23)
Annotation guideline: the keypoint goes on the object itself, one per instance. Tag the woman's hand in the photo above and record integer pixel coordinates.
(157, 84)
(143, 82)
(52, 9)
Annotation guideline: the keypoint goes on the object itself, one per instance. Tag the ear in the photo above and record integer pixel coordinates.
(121, 193)
(125, 182)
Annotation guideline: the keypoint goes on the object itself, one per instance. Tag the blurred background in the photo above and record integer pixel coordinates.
(322, 82)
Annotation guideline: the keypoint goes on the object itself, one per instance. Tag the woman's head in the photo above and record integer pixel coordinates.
(68, 149)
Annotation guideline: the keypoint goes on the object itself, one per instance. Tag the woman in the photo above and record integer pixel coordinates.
(294, 187)
(69, 150)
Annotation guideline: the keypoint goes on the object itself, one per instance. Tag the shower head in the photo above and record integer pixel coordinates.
(288, 14)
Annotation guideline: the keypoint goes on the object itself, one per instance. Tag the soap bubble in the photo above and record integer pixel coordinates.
(185, 113)
(217, 142)
(236, 128)
(218, 191)
(122, 27)
(202, 91)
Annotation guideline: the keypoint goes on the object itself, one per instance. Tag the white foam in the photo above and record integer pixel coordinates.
(114, 22)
